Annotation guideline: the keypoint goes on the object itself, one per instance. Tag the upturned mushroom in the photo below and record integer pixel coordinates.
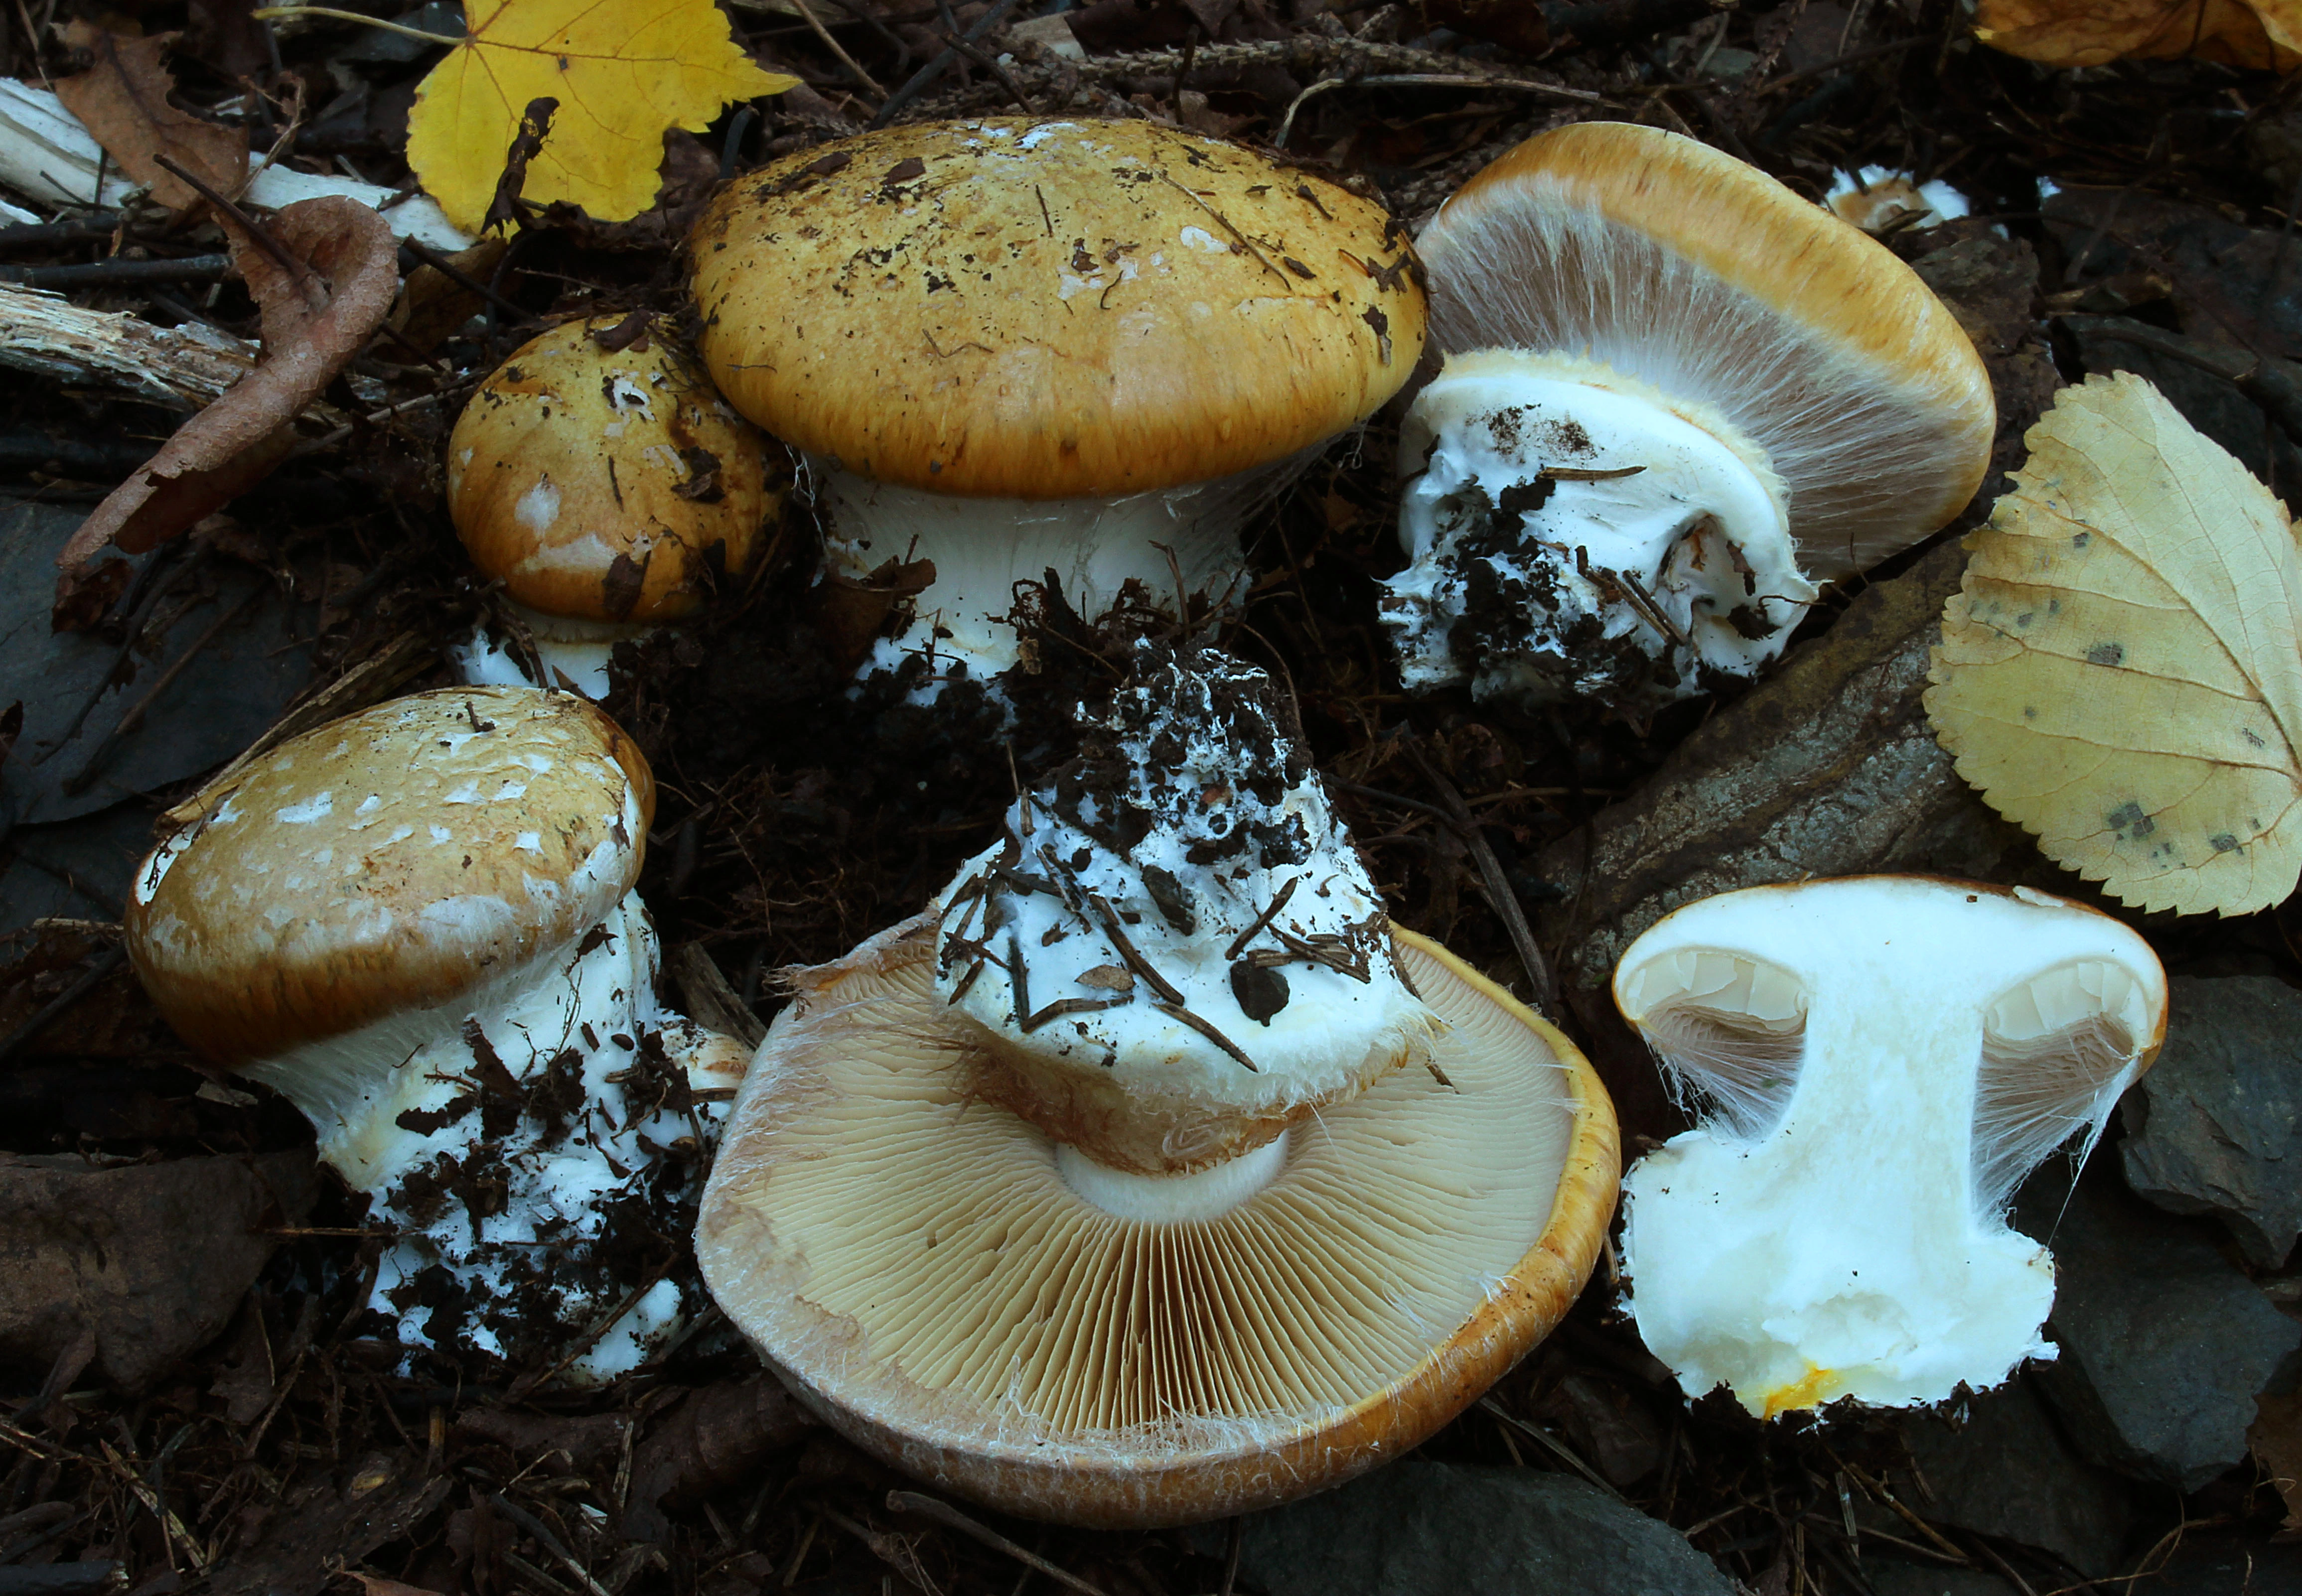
(1152, 1176)
(418, 924)
(1882, 1059)
(1012, 347)
(610, 491)
(1675, 394)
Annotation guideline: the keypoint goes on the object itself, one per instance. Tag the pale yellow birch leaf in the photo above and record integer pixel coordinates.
(2121, 672)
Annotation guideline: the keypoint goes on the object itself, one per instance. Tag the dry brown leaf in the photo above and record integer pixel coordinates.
(2276, 1440)
(2121, 672)
(311, 329)
(123, 99)
(2265, 35)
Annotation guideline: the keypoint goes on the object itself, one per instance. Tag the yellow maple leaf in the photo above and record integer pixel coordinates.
(624, 71)
(2120, 671)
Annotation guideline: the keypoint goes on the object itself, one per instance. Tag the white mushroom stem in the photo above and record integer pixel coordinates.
(543, 1077)
(1894, 1054)
(1575, 533)
(575, 653)
(982, 549)
(1192, 1199)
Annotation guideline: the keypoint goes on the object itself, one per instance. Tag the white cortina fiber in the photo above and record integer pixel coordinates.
(1535, 264)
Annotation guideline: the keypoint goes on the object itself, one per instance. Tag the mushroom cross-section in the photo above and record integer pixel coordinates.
(1015, 346)
(1152, 1176)
(418, 925)
(1675, 392)
(1884, 1060)
(609, 490)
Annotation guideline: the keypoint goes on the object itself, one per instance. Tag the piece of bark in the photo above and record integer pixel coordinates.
(322, 1527)
(315, 319)
(1828, 769)
(714, 1437)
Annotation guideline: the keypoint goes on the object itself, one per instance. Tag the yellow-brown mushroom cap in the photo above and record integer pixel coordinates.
(1051, 309)
(1684, 268)
(387, 861)
(608, 485)
(915, 1266)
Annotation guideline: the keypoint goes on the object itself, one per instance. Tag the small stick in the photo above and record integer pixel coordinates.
(1127, 951)
(951, 1517)
(1224, 223)
(871, 86)
(1264, 918)
(1176, 1011)
(1067, 1006)
(298, 272)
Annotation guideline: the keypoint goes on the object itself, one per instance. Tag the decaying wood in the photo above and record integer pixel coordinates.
(1828, 769)
(184, 367)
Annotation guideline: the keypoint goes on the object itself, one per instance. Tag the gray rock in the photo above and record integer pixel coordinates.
(74, 870)
(228, 694)
(2216, 1127)
(2006, 1471)
(1439, 1528)
(2164, 1342)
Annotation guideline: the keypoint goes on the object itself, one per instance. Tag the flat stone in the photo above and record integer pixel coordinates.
(2216, 1126)
(2006, 1471)
(1891, 1577)
(2164, 1342)
(1439, 1529)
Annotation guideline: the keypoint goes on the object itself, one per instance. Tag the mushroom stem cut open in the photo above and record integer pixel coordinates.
(1883, 1059)
(950, 1288)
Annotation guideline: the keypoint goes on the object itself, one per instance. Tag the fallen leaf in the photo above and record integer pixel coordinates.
(312, 326)
(2276, 1441)
(123, 99)
(2121, 672)
(2265, 35)
(624, 76)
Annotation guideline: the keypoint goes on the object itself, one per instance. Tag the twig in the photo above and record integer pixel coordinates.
(314, 292)
(112, 959)
(190, 268)
(951, 1517)
(463, 280)
(1544, 991)
(1429, 80)
(918, 82)
(549, 1542)
(1176, 1011)
(1557, 1448)
(79, 781)
(1278, 903)
(807, 16)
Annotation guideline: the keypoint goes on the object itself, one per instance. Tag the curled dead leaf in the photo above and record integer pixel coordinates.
(315, 319)
(2120, 671)
(2265, 35)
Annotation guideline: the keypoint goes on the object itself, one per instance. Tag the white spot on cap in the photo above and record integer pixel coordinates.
(538, 509)
(1199, 238)
(369, 804)
(1046, 131)
(439, 833)
(305, 813)
(530, 841)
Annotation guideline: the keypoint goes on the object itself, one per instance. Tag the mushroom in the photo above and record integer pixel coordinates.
(1134, 1184)
(1675, 395)
(1885, 1058)
(418, 924)
(1012, 346)
(608, 490)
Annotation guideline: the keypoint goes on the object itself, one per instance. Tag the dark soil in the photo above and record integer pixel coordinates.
(286, 1455)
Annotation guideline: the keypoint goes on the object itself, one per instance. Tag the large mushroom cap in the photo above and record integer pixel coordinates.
(1051, 309)
(1677, 264)
(917, 1270)
(387, 861)
(604, 484)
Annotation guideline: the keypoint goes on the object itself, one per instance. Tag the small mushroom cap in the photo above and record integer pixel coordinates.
(608, 485)
(1679, 265)
(915, 1266)
(387, 861)
(1051, 309)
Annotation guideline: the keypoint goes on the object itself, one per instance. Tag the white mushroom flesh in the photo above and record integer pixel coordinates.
(1181, 912)
(574, 652)
(1572, 533)
(570, 1081)
(1888, 1057)
(982, 549)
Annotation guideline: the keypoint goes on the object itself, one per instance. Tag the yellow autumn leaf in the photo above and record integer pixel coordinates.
(624, 71)
(2265, 35)
(2120, 671)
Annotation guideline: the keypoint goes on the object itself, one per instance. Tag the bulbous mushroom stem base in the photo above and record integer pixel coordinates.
(574, 653)
(1578, 534)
